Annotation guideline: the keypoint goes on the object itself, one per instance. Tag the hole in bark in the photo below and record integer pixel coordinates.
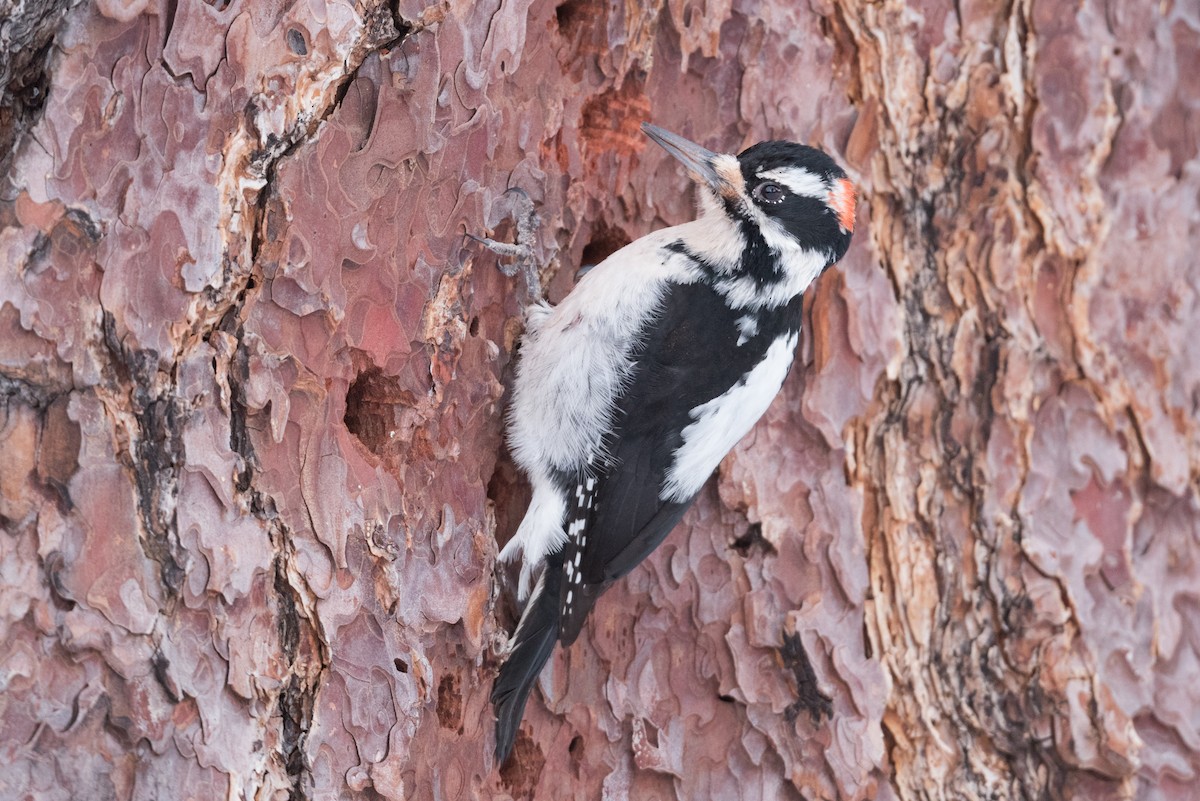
(371, 411)
(449, 704)
(729, 699)
(474, 327)
(651, 734)
(400, 664)
(753, 539)
(576, 744)
(570, 16)
(605, 241)
(295, 40)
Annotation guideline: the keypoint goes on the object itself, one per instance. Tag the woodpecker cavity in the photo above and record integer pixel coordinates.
(630, 392)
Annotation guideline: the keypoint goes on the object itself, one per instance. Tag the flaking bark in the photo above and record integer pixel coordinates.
(252, 376)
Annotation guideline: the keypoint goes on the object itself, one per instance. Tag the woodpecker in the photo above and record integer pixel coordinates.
(630, 392)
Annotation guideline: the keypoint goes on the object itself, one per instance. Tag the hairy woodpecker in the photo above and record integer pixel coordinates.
(630, 392)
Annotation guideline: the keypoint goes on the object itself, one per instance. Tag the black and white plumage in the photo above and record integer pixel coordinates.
(630, 392)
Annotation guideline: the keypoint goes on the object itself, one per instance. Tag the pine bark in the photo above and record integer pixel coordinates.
(253, 373)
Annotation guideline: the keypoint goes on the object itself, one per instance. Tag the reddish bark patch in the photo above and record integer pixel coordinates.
(450, 703)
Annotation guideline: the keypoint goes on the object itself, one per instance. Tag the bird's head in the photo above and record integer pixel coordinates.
(795, 195)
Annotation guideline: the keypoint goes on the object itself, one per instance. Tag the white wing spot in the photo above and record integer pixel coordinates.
(570, 596)
(747, 328)
(591, 484)
(577, 555)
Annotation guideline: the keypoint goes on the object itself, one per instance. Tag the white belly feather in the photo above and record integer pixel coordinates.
(575, 359)
(719, 424)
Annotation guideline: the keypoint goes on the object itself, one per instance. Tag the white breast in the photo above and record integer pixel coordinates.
(576, 358)
(722, 421)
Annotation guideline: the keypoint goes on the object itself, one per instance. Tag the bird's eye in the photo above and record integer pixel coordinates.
(769, 192)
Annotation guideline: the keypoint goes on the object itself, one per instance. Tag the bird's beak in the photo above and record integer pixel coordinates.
(720, 172)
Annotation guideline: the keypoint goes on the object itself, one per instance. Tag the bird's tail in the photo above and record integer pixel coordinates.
(532, 644)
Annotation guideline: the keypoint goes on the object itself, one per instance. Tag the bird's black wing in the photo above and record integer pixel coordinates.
(688, 355)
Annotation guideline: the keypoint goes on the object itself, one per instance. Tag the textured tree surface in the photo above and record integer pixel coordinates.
(252, 377)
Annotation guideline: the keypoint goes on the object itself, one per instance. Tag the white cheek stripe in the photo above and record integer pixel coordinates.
(799, 180)
(717, 239)
(724, 420)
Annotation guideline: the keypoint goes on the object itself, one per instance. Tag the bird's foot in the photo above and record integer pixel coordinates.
(515, 205)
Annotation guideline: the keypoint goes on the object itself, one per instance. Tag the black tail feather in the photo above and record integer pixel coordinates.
(535, 637)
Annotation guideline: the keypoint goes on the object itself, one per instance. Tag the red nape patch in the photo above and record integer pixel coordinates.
(841, 200)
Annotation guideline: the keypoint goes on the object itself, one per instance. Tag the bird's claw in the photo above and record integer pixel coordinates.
(516, 205)
(520, 253)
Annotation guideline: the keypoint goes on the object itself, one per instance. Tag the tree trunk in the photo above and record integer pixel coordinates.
(252, 381)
